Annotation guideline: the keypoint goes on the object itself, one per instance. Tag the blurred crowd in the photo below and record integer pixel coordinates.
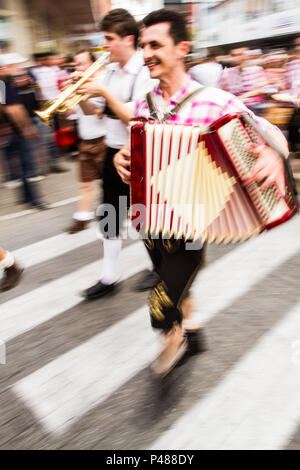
(268, 83)
(30, 149)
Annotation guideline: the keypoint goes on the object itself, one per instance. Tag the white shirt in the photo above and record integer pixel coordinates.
(208, 74)
(47, 79)
(89, 126)
(128, 84)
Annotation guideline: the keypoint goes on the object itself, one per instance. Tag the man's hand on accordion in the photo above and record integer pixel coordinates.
(122, 164)
(268, 170)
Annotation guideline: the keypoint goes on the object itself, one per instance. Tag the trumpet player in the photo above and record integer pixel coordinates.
(127, 80)
(91, 130)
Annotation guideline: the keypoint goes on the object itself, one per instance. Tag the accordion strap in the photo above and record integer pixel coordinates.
(175, 110)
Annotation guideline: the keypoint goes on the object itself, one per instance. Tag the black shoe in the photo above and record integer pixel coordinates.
(150, 280)
(98, 290)
(196, 341)
(77, 226)
(57, 169)
(40, 206)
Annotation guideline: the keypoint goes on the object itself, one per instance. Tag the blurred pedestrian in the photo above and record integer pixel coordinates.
(247, 79)
(91, 130)
(46, 74)
(208, 72)
(12, 271)
(254, 80)
(274, 66)
(46, 80)
(126, 81)
(63, 75)
(20, 131)
(231, 78)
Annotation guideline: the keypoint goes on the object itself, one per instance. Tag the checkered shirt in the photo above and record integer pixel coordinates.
(292, 73)
(238, 81)
(203, 109)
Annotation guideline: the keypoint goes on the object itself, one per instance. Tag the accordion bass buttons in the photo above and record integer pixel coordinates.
(171, 245)
(149, 243)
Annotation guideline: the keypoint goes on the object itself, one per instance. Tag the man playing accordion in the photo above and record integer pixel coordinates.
(165, 44)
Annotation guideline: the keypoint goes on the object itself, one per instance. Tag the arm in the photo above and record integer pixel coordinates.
(92, 88)
(19, 117)
(249, 94)
(88, 108)
(269, 167)
(122, 163)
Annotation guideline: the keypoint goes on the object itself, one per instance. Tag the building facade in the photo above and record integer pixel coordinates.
(241, 21)
(38, 25)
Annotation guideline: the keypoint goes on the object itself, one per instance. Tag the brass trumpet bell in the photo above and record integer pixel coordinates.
(68, 98)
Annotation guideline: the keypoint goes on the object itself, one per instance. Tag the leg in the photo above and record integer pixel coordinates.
(2, 254)
(86, 196)
(151, 278)
(26, 157)
(10, 153)
(88, 173)
(177, 271)
(47, 141)
(168, 300)
(83, 216)
(30, 190)
(113, 189)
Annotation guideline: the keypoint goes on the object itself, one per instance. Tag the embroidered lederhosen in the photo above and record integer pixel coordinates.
(177, 262)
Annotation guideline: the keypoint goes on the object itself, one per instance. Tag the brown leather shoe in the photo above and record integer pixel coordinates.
(11, 277)
(77, 226)
(175, 347)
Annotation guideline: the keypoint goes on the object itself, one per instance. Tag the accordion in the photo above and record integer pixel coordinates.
(187, 182)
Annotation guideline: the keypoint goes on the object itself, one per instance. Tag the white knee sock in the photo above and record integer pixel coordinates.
(8, 261)
(83, 216)
(112, 248)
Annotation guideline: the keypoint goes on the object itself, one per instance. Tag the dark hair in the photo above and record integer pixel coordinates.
(38, 55)
(91, 55)
(42, 55)
(178, 29)
(121, 22)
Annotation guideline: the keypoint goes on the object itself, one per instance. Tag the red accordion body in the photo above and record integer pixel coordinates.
(187, 183)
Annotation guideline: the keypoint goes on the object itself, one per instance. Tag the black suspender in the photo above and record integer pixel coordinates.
(175, 110)
(107, 111)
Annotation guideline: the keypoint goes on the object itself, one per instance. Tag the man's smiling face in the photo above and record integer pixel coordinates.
(161, 54)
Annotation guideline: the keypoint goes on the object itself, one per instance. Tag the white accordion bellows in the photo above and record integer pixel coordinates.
(189, 183)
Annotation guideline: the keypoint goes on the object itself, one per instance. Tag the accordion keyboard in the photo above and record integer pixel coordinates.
(238, 140)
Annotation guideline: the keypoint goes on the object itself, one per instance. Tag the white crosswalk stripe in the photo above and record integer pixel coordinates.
(39, 305)
(87, 375)
(256, 406)
(235, 273)
(58, 245)
(52, 247)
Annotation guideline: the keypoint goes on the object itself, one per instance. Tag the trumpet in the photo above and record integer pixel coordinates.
(68, 98)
